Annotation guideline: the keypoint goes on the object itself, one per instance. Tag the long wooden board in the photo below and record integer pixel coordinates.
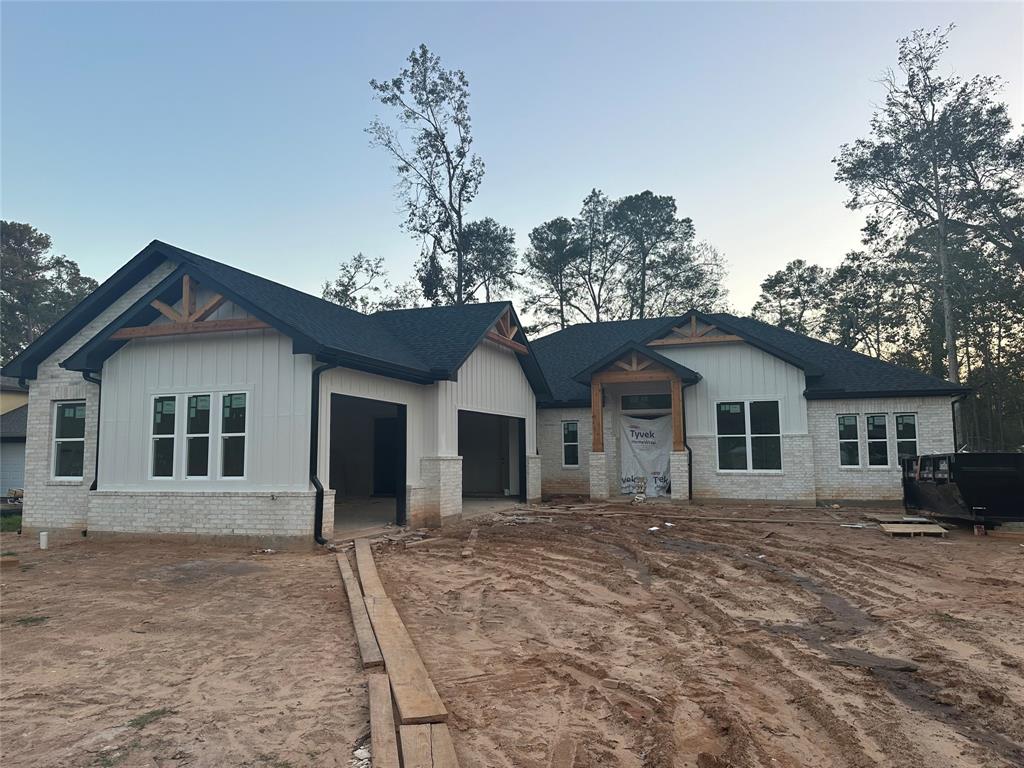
(383, 742)
(441, 748)
(368, 577)
(415, 695)
(427, 746)
(369, 651)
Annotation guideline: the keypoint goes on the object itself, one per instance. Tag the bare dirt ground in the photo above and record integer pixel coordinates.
(589, 641)
(128, 654)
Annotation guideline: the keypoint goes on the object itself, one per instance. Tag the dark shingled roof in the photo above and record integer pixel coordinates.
(11, 384)
(831, 371)
(13, 423)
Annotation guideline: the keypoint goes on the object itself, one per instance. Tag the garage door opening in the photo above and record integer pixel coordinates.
(493, 451)
(367, 467)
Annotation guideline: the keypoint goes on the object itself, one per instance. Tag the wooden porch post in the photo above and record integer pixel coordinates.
(597, 416)
(678, 419)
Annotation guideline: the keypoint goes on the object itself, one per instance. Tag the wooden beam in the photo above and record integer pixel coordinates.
(368, 570)
(369, 651)
(416, 749)
(706, 330)
(383, 742)
(167, 311)
(207, 309)
(670, 342)
(597, 416)
(515, 346)
(693, 325)
(622, 377)
(678, 423)
(188, 297)
(184, 329)
(441, 748)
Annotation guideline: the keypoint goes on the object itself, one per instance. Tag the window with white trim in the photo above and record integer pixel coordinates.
(570, 443)
(232, 435)
(197, 436)
(906, 435)
(162, 442)
(749, 436)
(878, 439)
(849, 443)
(69, 440)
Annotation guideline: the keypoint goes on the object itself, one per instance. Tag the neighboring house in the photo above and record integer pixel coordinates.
(12, 449)
(760, 413)
(224, 403)
(13, 394)
(187, 396)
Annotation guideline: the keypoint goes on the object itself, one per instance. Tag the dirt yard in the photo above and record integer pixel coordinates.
(585, 641)
(589, 641)
(124, 654)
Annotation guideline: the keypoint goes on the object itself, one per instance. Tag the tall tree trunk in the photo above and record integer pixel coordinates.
(952, 368)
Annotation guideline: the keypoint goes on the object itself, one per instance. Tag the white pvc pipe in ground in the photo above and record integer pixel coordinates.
(44, 540)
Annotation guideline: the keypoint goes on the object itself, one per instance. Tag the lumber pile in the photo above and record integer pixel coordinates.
(403, 694)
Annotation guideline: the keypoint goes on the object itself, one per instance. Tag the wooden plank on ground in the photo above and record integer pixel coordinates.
(383, 741)
(415, 695)
(441, 748)
(416, 751)
(912, 529)
(369, 651)
(368, 577)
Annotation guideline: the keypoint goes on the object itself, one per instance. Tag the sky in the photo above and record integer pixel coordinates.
(236, 129)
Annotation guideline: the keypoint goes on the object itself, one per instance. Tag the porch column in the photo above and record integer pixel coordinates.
(679, 460)
(598, 461)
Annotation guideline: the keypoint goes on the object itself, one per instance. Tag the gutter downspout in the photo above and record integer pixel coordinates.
(99, 402)
(314, 445)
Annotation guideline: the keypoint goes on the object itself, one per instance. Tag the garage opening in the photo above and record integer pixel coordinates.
(493, 451)
(367, 467)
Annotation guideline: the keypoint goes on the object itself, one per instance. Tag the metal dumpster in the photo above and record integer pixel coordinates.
(984, 487)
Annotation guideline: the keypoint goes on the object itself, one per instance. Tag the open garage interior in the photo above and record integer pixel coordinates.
(367, 462)
(493, 451)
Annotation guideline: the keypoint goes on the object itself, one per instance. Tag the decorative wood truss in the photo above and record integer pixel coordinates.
(694, 333)
(504, 331)
(631, 368)
(189, 319)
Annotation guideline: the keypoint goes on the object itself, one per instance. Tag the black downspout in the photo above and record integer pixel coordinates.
(99, 401)
(314, 445)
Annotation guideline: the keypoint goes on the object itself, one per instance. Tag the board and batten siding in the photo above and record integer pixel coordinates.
(736, 371)
(490, 381)
(260, 363)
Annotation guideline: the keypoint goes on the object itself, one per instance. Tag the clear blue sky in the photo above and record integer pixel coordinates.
(236, 129)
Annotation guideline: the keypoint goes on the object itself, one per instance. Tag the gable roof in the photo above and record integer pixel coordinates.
(373, 343)
(14, 424)
(686, 375)
(830, 371)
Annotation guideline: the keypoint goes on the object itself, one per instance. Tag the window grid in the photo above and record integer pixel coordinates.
(878, 439)
(197, 436)
(233, 442)
(849, 440)
(906, 435)
(762, 449)
(68, 444)
(570, 443)
(163, 430)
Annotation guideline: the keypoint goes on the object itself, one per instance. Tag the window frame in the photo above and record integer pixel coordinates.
(55, 440)
(564, 443)
(896, 434)
(869, 440)
(748, 436)
(221, 434)
(210, 453)
(153, 438)
(856, 441)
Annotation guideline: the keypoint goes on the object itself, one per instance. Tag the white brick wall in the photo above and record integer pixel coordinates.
(556, 479)
(62, 504)
(598, 475)
(679, 475)
(835, 483)
(439, 500)
(219, 513)
(794, 484)
(533, 478)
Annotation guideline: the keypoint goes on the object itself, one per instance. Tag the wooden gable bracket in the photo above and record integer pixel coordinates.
(689, 334)
(189, 320)
(503, 332)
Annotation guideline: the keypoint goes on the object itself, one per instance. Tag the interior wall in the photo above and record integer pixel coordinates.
(352, 436)
(484, 446)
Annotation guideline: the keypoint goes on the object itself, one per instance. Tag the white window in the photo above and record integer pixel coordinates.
(197, 436)
(69, 440)
(749, 436)
(849, 443)
(570, 443)
(906, 435)
(878, 440)
(162, 436)
(232, 435)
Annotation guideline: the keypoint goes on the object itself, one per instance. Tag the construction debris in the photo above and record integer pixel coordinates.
(912, 529)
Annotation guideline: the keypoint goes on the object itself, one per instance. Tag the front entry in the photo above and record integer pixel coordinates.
(493, 451)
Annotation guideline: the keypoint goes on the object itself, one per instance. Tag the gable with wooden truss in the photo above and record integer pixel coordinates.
(694, 331)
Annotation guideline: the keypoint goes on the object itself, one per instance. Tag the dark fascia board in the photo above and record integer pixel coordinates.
(344, 359)
(842, 394)
(809, 369)
(685, 374)
(528, 362)
(25, 365)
